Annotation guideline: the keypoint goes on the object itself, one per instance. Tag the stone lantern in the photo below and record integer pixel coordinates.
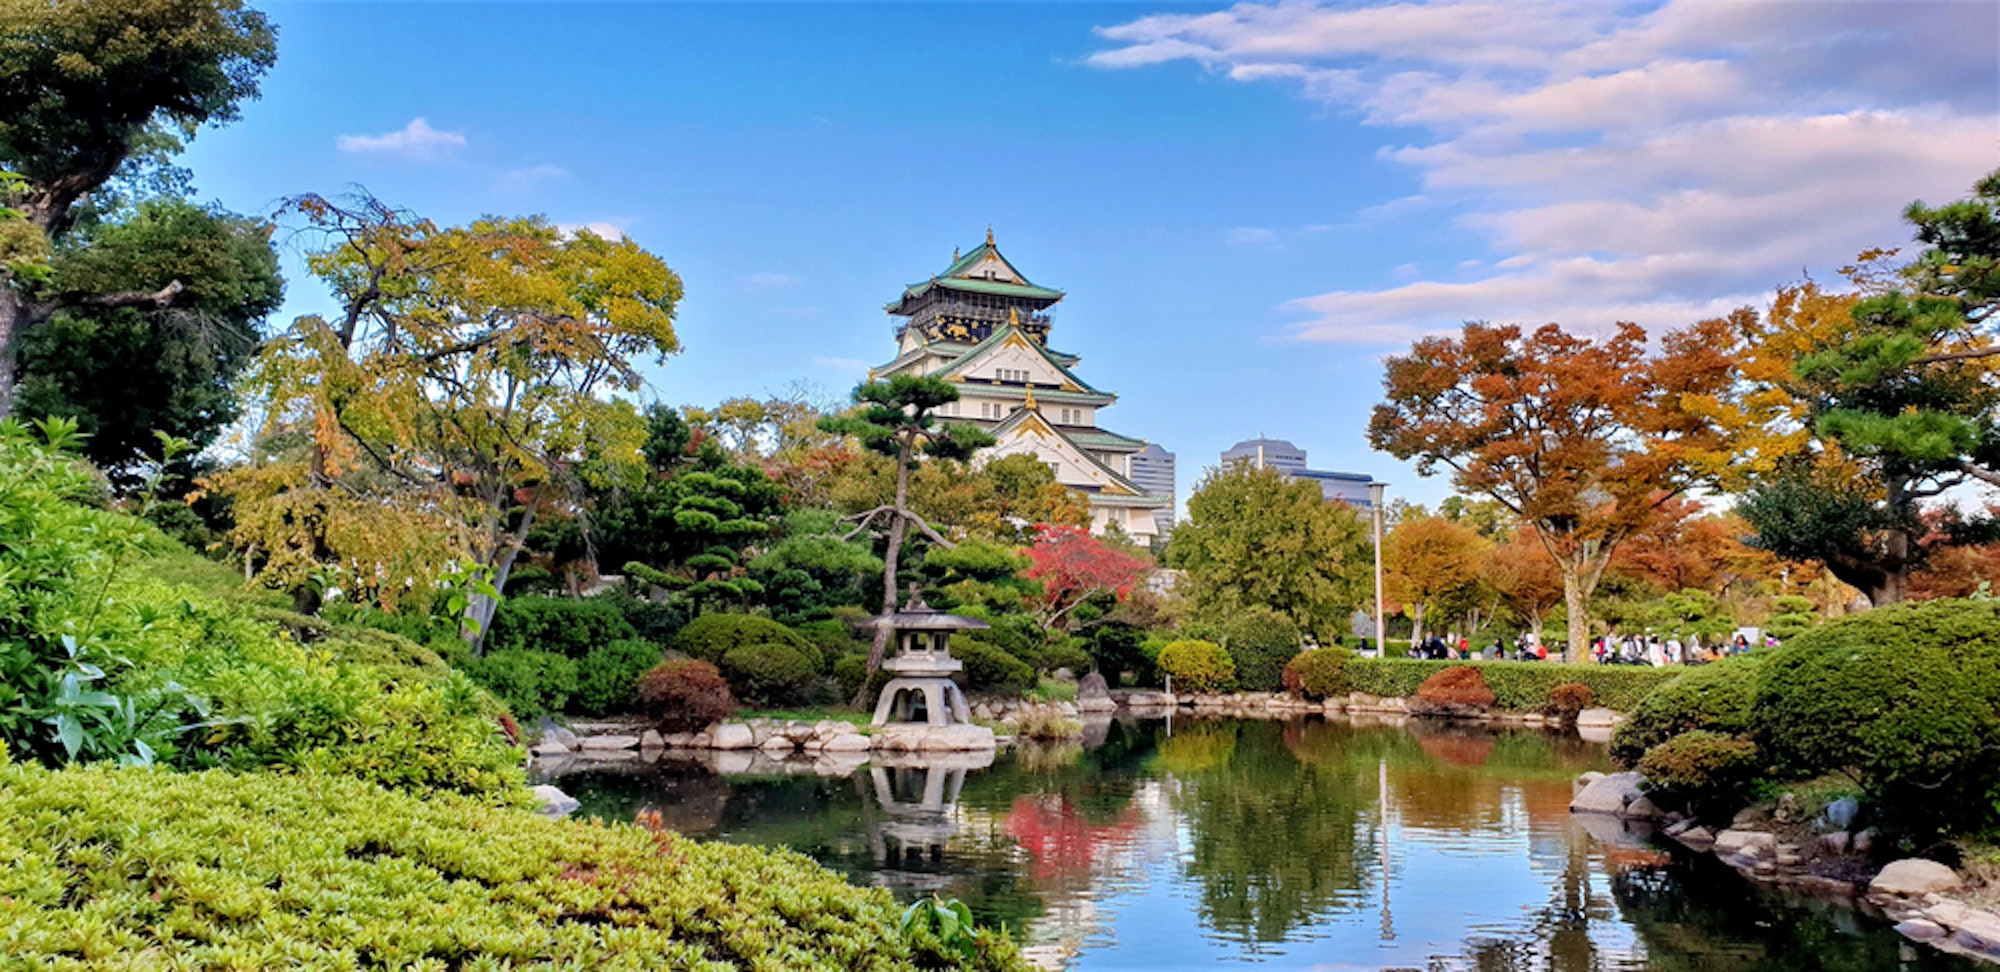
(922, 708)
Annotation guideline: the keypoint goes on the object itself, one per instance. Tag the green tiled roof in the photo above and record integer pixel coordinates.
(1104, 439)
(996, 287)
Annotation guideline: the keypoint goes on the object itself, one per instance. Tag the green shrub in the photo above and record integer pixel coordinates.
(1907, 695)
(1318, 674)
(834, 639)
(1704, 768)
(562, 625)
(685, 695)
(768, 675)
(1198, 666)
(607, 679)
(1567, 701)
(532, 683)
(847, 676)
(989, 668)
(1716, 697)
(1517, 686)
(114, 868)
(1047, 725)
(1260, 642)
(711, 636)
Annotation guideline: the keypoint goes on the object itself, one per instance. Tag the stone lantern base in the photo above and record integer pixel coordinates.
(943, 703)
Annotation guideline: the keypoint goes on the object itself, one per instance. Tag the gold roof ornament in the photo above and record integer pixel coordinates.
(1013, 317)
(989, 234)
(1030, 403)
(871, 374)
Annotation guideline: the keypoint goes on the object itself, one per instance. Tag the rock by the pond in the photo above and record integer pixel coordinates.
(547, 749)
(1914, 877)
(553, 802)
(1864, 842)
(732, 735)
(846, 742)
(908, 738)
(609, 743)
(1576, 786)
(1642, 808)
(1840, 814)
(556, 735)
(1980, 932)
(1696, 837)
(651, 739)
(1835, 843)
(1920, 930)
(1746, 843)
(1597, 719)
(1608, 794)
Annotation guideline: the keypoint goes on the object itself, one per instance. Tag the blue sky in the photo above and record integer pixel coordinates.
(1248, 205)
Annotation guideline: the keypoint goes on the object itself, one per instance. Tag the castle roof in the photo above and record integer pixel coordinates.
(982, 271)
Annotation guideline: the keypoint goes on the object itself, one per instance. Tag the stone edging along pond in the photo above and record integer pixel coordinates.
(1817, 856)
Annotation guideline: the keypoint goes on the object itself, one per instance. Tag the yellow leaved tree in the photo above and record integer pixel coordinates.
(466, 387)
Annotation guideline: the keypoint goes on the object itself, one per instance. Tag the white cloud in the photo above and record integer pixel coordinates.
(525, 178)
(610, 230)
(415, 142)
(1654, 166)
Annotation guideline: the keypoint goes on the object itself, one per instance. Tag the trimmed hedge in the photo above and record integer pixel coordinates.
(607, 679)
(1198, 666)
(1260, 642)
(988, 667)
(1517, 686)
(1318, 674)
(1715, 697)
(1908, 695)
(1702, 767)
(711, 636)
(133, 868)
(562, 625)
(768, 674)
(685, 695)
(532, 683)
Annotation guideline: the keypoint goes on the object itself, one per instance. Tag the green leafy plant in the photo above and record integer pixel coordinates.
(1318, 674)
(1704, 768)
(768, 674)
(1198, 666)
(607, 679)
(950, 922)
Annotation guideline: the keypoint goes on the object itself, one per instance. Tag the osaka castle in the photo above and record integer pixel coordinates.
(985, 327)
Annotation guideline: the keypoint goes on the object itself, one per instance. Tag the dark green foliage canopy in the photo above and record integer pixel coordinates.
(125, 373)
(82, 81)
(903, 406)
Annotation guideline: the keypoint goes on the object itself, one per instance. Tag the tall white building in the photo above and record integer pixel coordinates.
(981, 324)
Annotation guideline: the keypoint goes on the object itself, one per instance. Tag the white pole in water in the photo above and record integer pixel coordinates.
(1375, 494)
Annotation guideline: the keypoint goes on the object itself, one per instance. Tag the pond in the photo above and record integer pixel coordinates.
(1312, 843)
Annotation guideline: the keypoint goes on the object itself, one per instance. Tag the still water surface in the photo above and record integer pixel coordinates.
(1309, 844)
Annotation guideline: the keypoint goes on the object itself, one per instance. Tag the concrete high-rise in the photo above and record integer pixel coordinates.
(1263, 453)
(1153, 471)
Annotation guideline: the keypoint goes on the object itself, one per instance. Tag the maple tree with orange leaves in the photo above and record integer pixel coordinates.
(1581, 438)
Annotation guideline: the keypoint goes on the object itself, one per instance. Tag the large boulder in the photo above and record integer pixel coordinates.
(733, 735)
(1914, 877)
(553, 802)
(1607, 794)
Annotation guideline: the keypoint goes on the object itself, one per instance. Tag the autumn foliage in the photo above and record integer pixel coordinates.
(1074, 566)
(1460, 686)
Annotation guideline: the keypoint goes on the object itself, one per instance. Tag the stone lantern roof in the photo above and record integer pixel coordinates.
(918, 616)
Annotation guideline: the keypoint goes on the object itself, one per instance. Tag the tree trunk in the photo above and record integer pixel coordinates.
(480, 608)
(1416, 624)
(13, 319)
(898, 525)
(1574, 597)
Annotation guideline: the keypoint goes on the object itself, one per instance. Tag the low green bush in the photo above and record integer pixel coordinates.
(768, 675)
(565, 626)
(990, 668)
(848, 673)
(711, 636)
(1907, 697)
(685, 695)
(1260, 642)
(1704, 768)
(1715, 697)
(1198, 666)
(607, 679)
(120, 868)
(1318, 674)
(1517, 686)
(531, 683)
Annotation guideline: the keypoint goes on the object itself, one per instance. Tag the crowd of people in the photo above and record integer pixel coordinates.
(1611, 649)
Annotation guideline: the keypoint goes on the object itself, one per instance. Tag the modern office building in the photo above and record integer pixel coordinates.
(984, 326)
(1153, 471)
(1263, 453)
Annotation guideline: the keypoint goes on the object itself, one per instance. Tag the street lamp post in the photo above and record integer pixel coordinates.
(1375, 493)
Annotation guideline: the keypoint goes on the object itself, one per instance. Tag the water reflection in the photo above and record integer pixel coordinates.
(1303, 844)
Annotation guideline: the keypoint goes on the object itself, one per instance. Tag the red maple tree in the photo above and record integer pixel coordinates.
(1074, 567)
